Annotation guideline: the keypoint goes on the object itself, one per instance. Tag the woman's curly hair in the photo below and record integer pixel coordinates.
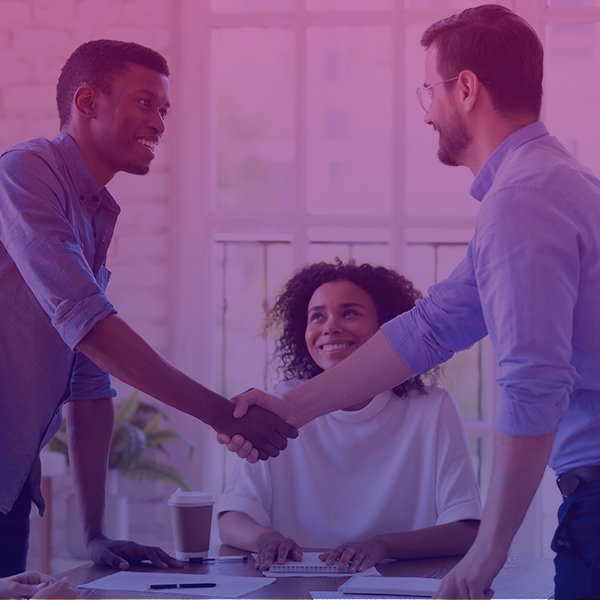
(392, 295)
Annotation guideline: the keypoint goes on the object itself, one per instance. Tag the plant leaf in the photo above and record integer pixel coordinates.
(125, 410)
(127, 448)
(154, 471)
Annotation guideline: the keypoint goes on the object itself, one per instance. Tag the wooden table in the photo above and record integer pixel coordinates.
(520, 578)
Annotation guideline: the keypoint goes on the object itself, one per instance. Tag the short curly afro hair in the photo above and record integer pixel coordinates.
(392, 295)
(97, 63)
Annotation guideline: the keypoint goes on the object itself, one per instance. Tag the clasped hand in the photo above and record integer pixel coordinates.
(244, 443)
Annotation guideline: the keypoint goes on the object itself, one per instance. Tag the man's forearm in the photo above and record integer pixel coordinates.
(90, 427)
(120, 351)
(519, 463)
(372, 369)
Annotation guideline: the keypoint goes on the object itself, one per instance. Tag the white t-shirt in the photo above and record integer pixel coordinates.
(396, 465)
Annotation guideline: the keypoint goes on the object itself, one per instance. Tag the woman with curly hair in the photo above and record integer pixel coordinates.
(393, 473)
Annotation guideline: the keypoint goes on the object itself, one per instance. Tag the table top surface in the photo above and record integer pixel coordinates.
(520, 578)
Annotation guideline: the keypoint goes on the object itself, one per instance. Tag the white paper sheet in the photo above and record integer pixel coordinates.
(313, 566)
(535, 577)
(398, 586)
(340, 596)
(228, 586)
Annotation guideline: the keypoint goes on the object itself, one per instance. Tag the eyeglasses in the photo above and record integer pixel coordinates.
(425, 94)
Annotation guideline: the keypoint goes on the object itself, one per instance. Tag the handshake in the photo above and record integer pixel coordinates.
(260, 426)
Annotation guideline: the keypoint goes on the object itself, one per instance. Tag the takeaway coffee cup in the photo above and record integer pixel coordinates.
(191, 515)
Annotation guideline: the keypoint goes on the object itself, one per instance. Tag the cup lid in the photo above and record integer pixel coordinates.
(181, 498)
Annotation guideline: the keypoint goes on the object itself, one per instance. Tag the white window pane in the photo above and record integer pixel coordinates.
(573, 3)
(429, 259)
(448, 256)
(349, 5)
(246, 277)
(349, 120)
(243, 348)
(573, 63)
(449, 5)
(252, 78)
(462, 376)
(279, 261)
(431, 189)
(374, 254)
(418, 261)
(323, 252)
(252, 6)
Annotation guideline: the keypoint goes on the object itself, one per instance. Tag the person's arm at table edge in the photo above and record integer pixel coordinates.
(447, 539)
(115, 347)
(241, 531)
(519, 464)
(90, 428)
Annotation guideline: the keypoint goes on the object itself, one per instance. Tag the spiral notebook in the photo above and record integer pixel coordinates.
(311, 566)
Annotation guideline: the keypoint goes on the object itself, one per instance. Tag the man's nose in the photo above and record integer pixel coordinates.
(158, 123)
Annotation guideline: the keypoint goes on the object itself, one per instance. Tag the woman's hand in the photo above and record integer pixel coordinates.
(61, 588)
(23, 584)
(356, 556)
(274, 548)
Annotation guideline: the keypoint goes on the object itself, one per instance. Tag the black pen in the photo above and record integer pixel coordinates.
(174, 586)
(216, 559)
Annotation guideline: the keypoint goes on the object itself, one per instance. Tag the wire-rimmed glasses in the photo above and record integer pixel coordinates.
(425, 93)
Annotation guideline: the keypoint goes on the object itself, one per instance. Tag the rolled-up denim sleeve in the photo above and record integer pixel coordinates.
(448, 320)
(527, 263)
(39, 237)
(89, 382)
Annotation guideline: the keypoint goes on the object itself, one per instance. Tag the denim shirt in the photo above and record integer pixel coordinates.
(531, 278)
(55, 229)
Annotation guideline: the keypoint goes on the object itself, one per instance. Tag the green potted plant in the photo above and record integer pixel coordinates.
(138, 440)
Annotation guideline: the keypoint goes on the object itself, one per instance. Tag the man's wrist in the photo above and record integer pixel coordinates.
(296, 408)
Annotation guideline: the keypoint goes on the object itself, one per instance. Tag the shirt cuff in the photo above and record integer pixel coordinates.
(74, 321)
(529, 418)
(406, 341)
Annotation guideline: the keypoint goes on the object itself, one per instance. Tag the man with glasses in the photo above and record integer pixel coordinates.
(531, 279)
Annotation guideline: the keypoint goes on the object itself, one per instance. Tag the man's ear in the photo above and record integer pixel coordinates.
(85, 101)
(469, 89)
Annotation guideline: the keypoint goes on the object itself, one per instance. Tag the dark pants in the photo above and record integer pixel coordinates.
(14, 535)
(577, 544)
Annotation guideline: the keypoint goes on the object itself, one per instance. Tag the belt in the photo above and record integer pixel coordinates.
(569, 481)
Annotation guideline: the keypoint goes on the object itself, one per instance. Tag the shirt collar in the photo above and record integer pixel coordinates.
(485, 177)
(80, 173)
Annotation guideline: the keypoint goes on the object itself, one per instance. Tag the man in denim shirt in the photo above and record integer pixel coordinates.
(59, 334)
(531, 279)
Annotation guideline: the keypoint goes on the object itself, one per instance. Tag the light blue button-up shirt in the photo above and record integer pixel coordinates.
(531, 279)
(55, 228)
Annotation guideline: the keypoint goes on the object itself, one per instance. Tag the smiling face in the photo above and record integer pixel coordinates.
(128, 123)
(341, 318)
(444, 117)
